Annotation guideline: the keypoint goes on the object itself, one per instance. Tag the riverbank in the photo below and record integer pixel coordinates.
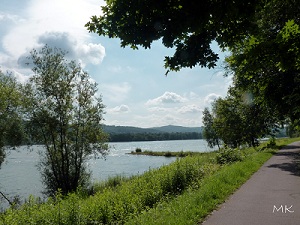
(181, 193)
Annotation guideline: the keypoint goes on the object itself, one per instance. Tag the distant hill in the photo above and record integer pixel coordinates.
(137, 130)
(127, 129)
(128, 133)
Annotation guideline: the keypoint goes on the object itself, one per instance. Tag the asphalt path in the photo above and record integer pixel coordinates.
(270, 197)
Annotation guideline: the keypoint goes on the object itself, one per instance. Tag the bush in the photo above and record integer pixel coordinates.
(138, 150)
(168, 154)
(271, 143)
(229, 155)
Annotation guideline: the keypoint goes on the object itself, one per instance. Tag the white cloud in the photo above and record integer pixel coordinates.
(7, 17)
(55, 22)
(211, 98)
(155, 120)
(166, 98)
(92, 53)
(119, 109)
(172, 108)
(61, 40)
(115, 92)
(6, 61)
(190, 109)
(193, 95)
(159, 109)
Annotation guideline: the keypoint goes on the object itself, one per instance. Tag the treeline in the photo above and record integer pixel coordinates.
(127, 137)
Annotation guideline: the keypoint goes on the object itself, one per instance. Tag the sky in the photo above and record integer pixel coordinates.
(132, 83)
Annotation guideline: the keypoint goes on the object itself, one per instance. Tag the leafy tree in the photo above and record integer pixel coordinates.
(209, 132)
(237, 119)
(188, 26)
(267, 62)
(258, 120)
(65, 115)
(228, 122)
(292, 130)
(11, 126)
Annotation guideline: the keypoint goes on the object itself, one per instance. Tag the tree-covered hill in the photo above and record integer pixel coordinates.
(163, 129)
(128, 133)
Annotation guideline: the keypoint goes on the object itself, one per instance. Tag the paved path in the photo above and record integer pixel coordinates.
(270, 197)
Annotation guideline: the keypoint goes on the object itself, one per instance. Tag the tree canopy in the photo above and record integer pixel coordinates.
(188, 26)
(267, 63)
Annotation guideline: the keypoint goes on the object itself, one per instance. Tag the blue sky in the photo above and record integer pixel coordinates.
(132, 82)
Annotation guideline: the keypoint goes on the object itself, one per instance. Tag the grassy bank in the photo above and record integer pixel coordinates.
(183, 192)
(193, 205)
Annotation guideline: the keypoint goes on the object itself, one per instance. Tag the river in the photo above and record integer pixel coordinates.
(19, 174)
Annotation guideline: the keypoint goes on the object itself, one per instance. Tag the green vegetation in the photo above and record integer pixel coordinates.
(229, 155)
(237, 120)
(209, 132)
(109, 183)
(193, 205)
(166, 154)
(266, 64)
(183, 192)
(137, 150)
(127, 133)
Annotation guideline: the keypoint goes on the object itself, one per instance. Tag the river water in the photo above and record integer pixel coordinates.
(19, 174)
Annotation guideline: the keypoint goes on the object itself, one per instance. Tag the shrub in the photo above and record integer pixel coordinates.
(138, 150)
(271, 143)
(229, 155)
(168, 154)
